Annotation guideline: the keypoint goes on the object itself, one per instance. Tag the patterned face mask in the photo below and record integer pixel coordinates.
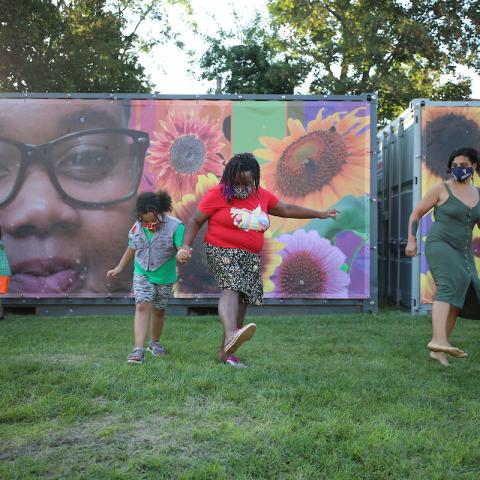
(151, 226)
(242, 191)
(461, 174)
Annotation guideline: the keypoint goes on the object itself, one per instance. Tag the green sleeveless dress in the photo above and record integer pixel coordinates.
(450, 257)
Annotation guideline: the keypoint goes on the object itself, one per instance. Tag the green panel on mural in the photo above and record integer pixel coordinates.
(251, 120)
(296, 110)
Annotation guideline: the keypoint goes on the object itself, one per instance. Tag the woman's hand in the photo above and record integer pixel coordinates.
(411, 249)
(329, 214)
(184, 254)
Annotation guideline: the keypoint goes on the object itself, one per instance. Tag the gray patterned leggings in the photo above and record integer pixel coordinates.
(146, 291)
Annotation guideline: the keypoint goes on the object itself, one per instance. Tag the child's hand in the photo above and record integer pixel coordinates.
(114, 273)
(184, 254)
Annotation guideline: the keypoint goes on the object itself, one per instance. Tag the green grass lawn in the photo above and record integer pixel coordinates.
(334, 397)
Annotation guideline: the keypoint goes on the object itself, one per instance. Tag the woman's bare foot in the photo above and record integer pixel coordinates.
(440, 357)
(454, 351)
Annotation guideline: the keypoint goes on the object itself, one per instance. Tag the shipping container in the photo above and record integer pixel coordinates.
(72, 165)
(412, 155)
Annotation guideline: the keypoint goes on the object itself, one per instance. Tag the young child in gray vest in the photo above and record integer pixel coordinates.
(152, 244)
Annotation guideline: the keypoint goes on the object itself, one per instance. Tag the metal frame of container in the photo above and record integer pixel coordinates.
(400, 152)
(69, 305)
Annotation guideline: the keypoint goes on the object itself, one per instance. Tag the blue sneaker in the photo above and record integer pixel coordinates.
(137, 356)
(156, 349)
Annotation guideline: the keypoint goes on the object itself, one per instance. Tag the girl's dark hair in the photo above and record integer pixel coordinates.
(469, 152)
(159, 202)
(239, 163)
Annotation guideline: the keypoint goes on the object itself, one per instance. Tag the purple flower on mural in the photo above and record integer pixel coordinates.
(357, 252)
(311, 267)
(427, 222)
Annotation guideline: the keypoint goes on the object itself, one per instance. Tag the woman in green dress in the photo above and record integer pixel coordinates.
(448, 249)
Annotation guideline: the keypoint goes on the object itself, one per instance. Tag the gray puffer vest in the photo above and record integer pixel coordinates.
(152, 255)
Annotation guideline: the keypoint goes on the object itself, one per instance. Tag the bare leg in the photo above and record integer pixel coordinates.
(142, 318)
(157, 322)
(451, 320)
(221, 354)
(228, 311)
(439, 342)
(242, 310)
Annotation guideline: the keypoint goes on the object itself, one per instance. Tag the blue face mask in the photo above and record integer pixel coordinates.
(460, 174)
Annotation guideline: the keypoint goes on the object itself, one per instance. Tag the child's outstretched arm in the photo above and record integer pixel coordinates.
(126, 259)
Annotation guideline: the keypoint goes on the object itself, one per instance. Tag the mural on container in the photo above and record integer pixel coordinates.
(66, 203)
(444, 128)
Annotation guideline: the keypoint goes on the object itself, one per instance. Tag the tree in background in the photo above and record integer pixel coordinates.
(255, 62)
(398, 48)
(76, 45)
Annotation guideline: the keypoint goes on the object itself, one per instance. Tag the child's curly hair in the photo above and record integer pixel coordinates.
(157, 202)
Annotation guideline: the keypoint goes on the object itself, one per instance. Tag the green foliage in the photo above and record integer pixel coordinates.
(397, 48)
(354, 216)
(76, 45)
(255, 63)
(326, 396)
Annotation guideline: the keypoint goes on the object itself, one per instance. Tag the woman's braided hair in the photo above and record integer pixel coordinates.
(239, 163)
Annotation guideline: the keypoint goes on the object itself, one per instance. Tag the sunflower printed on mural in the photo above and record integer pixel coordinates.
(317, 165)
(189, 141)
(444, 129)
(194, 276)
(427, 286)
(271, 259)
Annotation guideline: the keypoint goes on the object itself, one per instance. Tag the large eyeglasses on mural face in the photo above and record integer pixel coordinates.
(90, 168)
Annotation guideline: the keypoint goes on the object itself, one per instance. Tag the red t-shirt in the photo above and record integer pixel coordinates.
(239, 224)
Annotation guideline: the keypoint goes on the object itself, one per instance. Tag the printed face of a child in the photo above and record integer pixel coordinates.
(54, 246)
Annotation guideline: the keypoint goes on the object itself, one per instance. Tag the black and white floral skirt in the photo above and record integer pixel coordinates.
(237, 270)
